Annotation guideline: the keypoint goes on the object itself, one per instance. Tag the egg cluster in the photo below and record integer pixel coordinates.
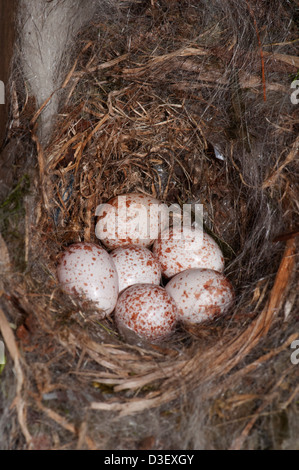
(127, 280)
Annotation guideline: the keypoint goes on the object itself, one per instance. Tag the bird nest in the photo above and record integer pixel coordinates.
(177, 105)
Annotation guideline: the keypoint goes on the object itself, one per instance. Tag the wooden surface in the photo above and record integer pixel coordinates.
(7, 15)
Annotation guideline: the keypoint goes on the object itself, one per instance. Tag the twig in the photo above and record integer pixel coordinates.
(67, 425)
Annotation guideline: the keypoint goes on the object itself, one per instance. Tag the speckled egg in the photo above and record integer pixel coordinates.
(136, 265)
(87, 269)
(200, 294)
(146, 310)
(131, 219)
(179, 249)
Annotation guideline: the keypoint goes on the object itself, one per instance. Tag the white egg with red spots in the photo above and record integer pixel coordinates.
(130, 219)
(200, 294)
(181, 248)
(87, 270)
(147, 311)
(136, 265)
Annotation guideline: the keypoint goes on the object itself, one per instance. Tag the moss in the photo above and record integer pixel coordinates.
(12, 216)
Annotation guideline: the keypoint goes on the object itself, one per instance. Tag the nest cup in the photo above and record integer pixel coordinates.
(188, 118)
